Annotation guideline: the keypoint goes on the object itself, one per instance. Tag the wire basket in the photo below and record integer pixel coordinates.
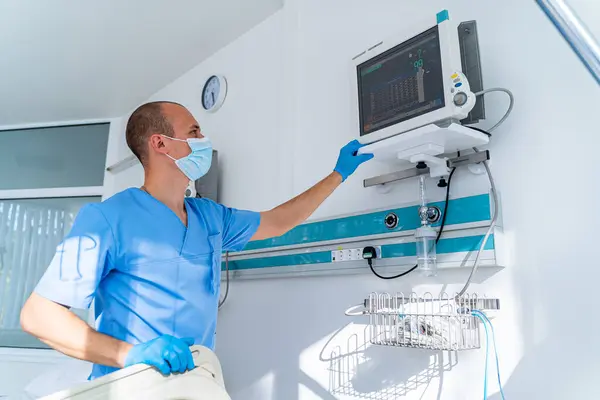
(426, 322)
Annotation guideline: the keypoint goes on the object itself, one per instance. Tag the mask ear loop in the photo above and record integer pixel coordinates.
(172, 138)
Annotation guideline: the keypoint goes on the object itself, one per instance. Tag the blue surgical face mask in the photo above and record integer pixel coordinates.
(196, 164)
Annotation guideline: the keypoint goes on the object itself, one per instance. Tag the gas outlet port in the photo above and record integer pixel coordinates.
(434, 214)
(391, 221)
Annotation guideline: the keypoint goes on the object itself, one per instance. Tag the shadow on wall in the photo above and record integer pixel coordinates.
(553, 376)
(365, 371)
(561, 357)
(287, 352)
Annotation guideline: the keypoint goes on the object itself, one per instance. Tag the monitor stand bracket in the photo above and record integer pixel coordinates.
(450, 163)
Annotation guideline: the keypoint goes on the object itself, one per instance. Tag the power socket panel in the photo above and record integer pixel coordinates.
(342, 255)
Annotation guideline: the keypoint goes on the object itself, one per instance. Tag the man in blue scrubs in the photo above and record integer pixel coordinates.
(151, 258)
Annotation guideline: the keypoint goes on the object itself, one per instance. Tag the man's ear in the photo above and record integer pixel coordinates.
(157, 143)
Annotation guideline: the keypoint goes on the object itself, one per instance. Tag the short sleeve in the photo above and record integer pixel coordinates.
(238, 228)
(80, 261)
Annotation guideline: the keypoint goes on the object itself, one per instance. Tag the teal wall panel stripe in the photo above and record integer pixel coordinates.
(453, 245)
(445, 246)
(464, 210)
(463, 244)
(320, 257)
(460, 211)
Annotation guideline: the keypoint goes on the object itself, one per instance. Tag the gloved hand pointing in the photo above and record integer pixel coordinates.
(349, 161)
(166, 353)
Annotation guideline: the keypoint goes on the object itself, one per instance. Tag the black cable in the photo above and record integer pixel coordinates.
(222, 301)
(479, 130)
(437, 239)
(370, 261)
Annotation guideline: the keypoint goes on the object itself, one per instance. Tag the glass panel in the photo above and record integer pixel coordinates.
(30, 231)
(66, 156)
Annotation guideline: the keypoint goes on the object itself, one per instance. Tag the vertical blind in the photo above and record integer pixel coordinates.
(30, 231)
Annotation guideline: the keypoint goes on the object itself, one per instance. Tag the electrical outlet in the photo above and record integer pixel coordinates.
(346, 255)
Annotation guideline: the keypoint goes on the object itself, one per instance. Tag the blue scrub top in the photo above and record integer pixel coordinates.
(148, 273)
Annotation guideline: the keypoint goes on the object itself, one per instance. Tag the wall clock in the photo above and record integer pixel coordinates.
(214, 93)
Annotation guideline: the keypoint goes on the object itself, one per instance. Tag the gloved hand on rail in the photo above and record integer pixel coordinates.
(349, 161)
(166, 353)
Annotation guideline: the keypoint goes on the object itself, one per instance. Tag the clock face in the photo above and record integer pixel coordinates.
(211, 92)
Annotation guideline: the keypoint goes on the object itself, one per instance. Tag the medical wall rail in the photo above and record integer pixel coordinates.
(443, 322)
(308, 250)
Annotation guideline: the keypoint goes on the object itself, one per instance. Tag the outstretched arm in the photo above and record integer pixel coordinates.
(285, 217)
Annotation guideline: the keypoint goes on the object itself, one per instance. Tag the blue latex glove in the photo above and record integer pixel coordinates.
(348, 161)
(166, 353)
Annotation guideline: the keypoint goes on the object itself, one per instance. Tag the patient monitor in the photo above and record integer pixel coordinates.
(409, 95)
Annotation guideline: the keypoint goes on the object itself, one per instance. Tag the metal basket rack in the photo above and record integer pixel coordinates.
(426, 322)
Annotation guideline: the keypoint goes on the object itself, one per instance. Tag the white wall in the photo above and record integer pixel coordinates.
(279, 132)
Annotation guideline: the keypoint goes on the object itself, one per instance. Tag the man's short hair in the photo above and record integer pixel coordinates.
(148, 119)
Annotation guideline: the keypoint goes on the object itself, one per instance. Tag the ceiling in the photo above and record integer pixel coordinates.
(64, 60)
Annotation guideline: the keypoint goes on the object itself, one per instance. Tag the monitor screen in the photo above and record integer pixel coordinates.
(402, 83)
